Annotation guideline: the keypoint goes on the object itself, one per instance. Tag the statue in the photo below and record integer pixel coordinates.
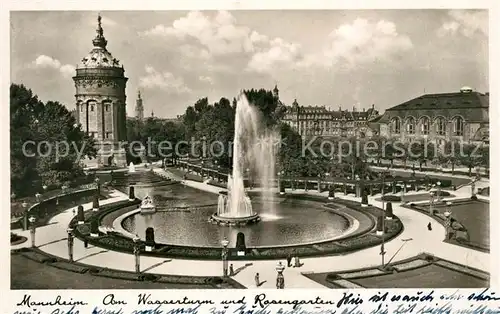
(147, 205)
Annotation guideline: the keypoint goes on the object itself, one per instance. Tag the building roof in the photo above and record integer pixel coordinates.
(322, 113)
(99, 56)
(472, 106)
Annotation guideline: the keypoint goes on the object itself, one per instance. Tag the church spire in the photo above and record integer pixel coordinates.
(99, 40)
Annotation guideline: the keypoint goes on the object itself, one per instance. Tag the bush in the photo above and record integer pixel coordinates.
(462, 236)
(332, 277)
(391, 198)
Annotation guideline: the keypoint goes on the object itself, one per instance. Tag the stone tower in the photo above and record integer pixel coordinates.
(139, 107)
(100, 84)
(276, 91)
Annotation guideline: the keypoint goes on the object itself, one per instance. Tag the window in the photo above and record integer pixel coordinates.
(81, 108)
(424, 125)
(410, 126)
(440, 126)
(107, 106)
(396, 126)
(458, 126)
(91, 107)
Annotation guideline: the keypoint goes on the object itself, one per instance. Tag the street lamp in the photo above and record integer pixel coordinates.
(447, 219)
(431, 204)
(98, 185)
(224, 242)
(137, 250)
(32, 221)
(438, 190)
(70, 244)
(280, 279)
(25, 220)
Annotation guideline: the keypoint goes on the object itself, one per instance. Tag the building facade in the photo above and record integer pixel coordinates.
(320, 121)
(459, 116)
(100, 84)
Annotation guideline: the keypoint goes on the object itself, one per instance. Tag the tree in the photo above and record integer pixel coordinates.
(50, 126)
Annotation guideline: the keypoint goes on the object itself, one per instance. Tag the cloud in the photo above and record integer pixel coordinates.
(215, 38)
(219, 35)
(46, 62)
(163, 80)
(363, 41)
(206, 79)
(466, 22)
(279, 52)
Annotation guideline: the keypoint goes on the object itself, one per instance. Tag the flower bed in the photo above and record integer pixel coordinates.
(49, 207)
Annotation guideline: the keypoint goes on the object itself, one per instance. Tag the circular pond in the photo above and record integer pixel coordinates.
(183, 213)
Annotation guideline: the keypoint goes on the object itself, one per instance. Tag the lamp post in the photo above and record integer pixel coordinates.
(25, 218)
(98, 186)
(382, 246)
(137, 250)
(224, 242)
(201, 169)
(438, 190)
(431, 204)
(280, 279)
(70, 244)
(447, 219)
(32, 221)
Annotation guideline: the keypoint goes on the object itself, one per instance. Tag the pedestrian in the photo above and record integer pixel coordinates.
(429, 226)
(257, 279)
(231, 270)
(289, 260)
(85, 243)
(297, 261)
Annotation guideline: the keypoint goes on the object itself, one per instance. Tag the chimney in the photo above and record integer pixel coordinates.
(373, 106)
(353, 108)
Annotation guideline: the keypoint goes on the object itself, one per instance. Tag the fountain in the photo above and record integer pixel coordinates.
(131, 167)
(252, 149)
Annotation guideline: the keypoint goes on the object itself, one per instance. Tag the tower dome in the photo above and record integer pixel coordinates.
(100, 84)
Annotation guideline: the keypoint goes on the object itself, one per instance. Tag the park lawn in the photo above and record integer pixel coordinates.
(431, 276)
(475, 217)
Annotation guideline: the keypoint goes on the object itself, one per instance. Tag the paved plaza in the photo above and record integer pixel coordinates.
(52, 238)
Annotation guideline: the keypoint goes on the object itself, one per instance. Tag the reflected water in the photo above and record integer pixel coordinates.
(183, 212)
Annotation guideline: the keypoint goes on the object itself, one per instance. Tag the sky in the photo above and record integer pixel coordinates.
(335, 58)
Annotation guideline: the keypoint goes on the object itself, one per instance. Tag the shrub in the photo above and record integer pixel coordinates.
(332, 277)
(462, 236)
(391, 198)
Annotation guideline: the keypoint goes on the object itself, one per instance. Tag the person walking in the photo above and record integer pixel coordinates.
(231, 270)
(429, 226)
(289, 260)
(257, 279)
